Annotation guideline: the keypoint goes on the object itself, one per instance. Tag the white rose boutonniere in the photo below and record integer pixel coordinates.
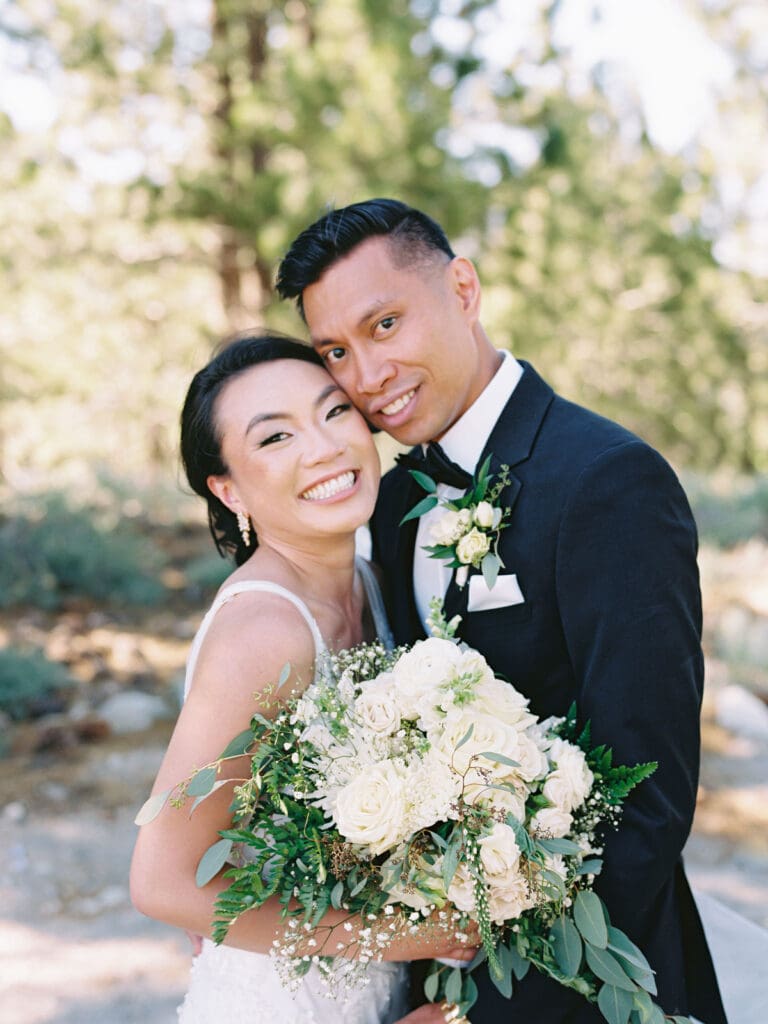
(467, 533)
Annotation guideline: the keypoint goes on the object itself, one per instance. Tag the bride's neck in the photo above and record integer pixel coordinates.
(326, 570)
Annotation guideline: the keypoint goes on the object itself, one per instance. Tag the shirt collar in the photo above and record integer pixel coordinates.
(465, 440)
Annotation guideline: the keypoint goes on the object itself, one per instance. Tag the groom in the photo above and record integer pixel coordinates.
(598, 598)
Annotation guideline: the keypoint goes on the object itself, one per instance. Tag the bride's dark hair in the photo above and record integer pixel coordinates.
(200, 440)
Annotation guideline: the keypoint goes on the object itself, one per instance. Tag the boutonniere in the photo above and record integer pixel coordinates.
(467, 533)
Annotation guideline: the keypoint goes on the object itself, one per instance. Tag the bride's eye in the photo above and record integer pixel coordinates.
(337, 410)
(273, 439)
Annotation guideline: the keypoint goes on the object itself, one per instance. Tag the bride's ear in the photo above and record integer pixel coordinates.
(222, 488)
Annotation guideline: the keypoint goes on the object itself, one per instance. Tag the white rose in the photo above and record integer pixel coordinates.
(450, 526)
(496, 697)
(376, 708)
(419, 673)
(533, 763)
(569, 785)
(551, 822)
(499, 851)
(370, 810)
(484, 514)
(488, 734)
(508, 901)
(504, 800)
(461, 891)
(472, 547)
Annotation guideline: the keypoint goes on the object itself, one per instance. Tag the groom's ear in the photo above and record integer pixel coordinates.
(466, 286)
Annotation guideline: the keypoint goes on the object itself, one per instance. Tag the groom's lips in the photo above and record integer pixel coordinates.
(393, 410)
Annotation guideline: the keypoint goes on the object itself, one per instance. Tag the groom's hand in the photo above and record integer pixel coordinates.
(434, 1013)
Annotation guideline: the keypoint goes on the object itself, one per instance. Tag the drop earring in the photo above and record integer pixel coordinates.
(244, 526)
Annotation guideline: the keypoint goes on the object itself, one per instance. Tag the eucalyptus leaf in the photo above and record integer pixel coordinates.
(212, 861)
(285, 674)
(238, 745)
(466, 737)
(152, 807)
(589, 919)
(503, 980)
(430, 986)
(622, 944)
(554, 881)
(450, 862)
(615, 1004)
(607, 968)
(566, 846)
(520, 966)
(423, 480)
(591, 866)
(501, 758)
(204, 796)
(337, 895)
(469, 992)
(202, 782)
(490, 566)
(453, 986)
(567, 946)
(425, 505)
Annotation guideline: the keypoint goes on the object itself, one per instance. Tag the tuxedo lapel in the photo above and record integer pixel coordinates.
(510, 443)
(406, 623)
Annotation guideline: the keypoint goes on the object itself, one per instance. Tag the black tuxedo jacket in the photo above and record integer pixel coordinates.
(603, 544)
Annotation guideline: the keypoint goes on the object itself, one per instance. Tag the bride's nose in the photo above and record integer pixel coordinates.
(323, 445)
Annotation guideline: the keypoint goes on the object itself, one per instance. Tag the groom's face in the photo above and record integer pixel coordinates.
(399, 340)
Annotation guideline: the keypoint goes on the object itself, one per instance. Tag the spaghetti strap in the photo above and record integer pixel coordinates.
(252, 586)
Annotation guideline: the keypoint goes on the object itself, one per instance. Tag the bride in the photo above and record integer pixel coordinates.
(288, 469)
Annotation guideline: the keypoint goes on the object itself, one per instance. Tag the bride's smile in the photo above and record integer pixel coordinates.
(300, 458)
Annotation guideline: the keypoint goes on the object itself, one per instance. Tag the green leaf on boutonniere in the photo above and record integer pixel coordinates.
(425, 505)
(490, 566)
(423, 480)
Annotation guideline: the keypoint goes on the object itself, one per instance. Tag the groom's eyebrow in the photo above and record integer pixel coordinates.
(263, 417)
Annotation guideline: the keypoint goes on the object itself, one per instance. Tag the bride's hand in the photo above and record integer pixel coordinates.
(435, 939)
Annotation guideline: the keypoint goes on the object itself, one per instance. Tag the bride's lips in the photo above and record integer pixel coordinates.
(332, 487)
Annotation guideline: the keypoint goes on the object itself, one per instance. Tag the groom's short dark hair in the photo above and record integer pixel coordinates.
(415, 238)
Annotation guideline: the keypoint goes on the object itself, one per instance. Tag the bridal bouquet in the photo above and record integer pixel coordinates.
(412, 788)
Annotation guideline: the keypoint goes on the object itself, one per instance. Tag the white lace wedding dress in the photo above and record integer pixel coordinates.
(228, 984)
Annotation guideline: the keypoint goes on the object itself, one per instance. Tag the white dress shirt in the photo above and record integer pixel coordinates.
(463, 444)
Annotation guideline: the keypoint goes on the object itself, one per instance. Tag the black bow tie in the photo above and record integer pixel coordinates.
(436, 464)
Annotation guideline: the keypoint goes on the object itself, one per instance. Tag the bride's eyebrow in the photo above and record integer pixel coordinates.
(263, 417)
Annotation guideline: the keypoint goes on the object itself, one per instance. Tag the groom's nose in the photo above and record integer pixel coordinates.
(374, 369)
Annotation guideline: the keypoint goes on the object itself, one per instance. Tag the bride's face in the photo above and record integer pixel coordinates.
(301, 459)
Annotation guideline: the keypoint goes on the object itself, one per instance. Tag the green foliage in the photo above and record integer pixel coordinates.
(728, 511)
(27, 678)
(51, 551)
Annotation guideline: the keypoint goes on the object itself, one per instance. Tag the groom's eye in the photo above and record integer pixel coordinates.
(387, 322)
(334, 354)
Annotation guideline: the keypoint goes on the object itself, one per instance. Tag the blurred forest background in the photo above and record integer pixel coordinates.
(602, 161)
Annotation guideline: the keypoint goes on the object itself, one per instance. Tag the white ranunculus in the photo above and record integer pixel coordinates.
(551, 822)
(370, 810)
(569, 785)
(484, 514)
(472, 547)
(499, 851)
(419, 673)
(433, 791)
(450, 526)
(376, 707)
